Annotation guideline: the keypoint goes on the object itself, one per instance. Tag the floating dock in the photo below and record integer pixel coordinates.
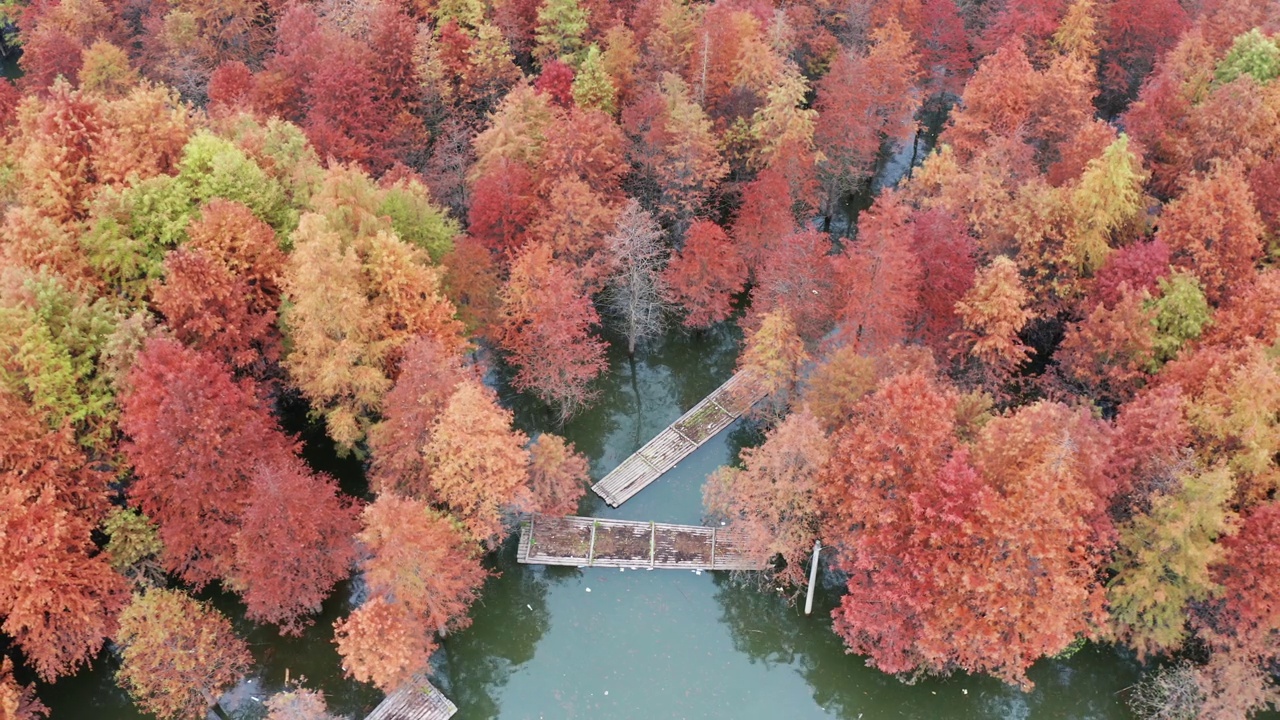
(596, 542)
(690, 431)
(417, 699)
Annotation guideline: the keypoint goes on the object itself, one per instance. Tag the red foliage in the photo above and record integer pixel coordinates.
(1264, 180)
(422, 576)
(1214, 231)
(9, 98)
(194, 436)
(799, 275)
(353, 97)
(546, 321)
(1031, 22)
(58, 595)
(230, 87)
(47, 53)
(704, 276)
(294, 544)
(1106, 356)
(1150, 441)
(1139, 266)
(503, 204)
(1250, 577)
(1251, 314)
(207, 308)
(428, 375)
(939, 36)
(946, 254)
(588, 145)
(471, 283)
(881, 278)
(556, 80)
(764, 218)
(1135, 34)
(558, 476)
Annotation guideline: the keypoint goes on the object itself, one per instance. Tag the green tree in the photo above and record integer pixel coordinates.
(561, 25)
(1108, 198)
(1181, 314)
(1163, 560)
(1251, 54)
(593, 89)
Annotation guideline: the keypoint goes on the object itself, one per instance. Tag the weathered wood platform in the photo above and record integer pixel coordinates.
(702, 422)
(596, 542)
(417, 699)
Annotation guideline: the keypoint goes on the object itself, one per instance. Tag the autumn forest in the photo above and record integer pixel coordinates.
(1027, 386)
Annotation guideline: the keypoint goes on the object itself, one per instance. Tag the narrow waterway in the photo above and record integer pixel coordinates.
(639, 644)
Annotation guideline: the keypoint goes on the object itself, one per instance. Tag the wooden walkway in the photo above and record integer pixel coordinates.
(596, 542)
(716, 412)
(417, 699)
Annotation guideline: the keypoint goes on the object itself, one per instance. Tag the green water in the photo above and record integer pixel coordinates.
(640, 644)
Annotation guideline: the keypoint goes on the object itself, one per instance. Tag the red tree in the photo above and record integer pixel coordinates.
(428, 376)
(502, 206)
(546, 321)
(1138, 266)
(1213, 231)
(798, 276)
(476, 464)
(764, 218)
(947, 256)
(422, 576)
(194, 435)
(881, 278)
(705, 275)
(294, 543)
(557, 476)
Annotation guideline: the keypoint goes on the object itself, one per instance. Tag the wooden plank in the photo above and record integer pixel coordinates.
(417, 699)
(591, 552)
(700, 423)
(634, 544)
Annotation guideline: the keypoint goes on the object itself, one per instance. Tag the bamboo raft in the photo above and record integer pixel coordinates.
(596, 542)
(417, 699)
(702, 422)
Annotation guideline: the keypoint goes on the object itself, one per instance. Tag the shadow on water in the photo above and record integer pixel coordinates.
(772, 632)
(593, 643)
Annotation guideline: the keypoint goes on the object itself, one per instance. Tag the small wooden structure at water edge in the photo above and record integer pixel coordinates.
(417, 699)
(596, 542)
(716, 412)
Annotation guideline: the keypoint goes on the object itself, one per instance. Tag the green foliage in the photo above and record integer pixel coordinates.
(1252, 54)
(417, 220)
(1163, 561)
(132, 228)
(1182, 312)
(1107, 199)
(561, 25)
(56, 338)
(132, 538)
(592, 87)
(213, 167)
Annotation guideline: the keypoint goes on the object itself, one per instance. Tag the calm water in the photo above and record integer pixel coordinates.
(660, 644)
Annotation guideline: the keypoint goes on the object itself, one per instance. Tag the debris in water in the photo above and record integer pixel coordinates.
(588, 589)
(529, 606)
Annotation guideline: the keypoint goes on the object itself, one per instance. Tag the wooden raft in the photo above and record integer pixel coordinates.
(596, 542)
(417, 699)
(702, 422)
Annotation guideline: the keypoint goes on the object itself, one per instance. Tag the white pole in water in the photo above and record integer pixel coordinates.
(813, 577)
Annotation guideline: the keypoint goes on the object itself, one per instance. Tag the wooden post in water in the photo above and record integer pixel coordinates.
(813, 577)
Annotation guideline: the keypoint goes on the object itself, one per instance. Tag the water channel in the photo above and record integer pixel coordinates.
(639, 644)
